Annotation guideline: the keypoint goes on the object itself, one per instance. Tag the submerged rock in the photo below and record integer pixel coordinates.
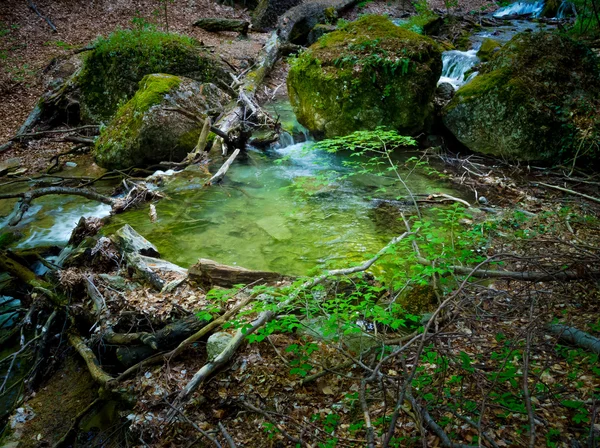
(112, 71)
(158, 123)
(535, 100)
(369, 73)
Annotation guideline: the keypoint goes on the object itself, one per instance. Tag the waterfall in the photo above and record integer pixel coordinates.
(565, 9)
(520, 9)
(456, 64)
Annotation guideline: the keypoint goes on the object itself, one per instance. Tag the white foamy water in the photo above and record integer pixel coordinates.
(455, 66)
(521, 8)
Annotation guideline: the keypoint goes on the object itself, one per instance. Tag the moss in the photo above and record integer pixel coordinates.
(532, 101)
(487, 49)
(424, 23)
(111, 73)
(115, 139)
(366, 74)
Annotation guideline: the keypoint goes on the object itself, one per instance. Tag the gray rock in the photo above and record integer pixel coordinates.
(154, 126)
(216, 344)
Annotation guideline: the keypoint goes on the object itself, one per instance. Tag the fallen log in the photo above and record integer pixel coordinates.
(295, 24)
(209, 273)
(213, 24)
(163, 339)
(575, 337)
(246, 92)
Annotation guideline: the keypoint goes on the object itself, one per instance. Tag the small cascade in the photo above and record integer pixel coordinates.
(520, 9)
(566, 9)
(455, 66)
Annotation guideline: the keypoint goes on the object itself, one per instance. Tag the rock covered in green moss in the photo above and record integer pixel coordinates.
(537, 99)
(487, 49)
(158, 123)
(369, 73)
(111, 72)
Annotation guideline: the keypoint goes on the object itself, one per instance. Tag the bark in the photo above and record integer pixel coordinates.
(575, 337)
(296, 23)
(210, 273)
(164, 339)
(212, 24)
(264, 63)
(131, 242)
(98, 374)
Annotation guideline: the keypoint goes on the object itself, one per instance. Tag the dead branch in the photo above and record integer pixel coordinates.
(96, 371)
(266, 415)
(227, 436)
(186, 343)
(219, 175)
(195, 426)
(48, 21)
(28, 196)
(566, 190)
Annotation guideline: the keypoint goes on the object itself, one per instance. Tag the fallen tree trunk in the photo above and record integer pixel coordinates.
(213, 24)
(296, 23)
(264, 63)
(209, 273)
(163, 339)
(575, 337)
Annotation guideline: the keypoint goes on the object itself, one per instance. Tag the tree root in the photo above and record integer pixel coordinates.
(96, 371)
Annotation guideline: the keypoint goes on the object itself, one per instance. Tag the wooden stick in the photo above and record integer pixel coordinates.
(219, 175)
(48, 21)
(566, 190)
(98, 374)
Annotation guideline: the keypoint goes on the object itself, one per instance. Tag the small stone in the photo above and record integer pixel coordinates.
(216, 344)
(483, 200)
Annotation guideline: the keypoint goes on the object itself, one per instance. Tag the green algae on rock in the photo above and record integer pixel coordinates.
(487, 49)
(149, 128)
(111, 72)
(534, 100)
(367, 74)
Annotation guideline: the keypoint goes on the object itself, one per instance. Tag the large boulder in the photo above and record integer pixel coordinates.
(369, 73)
(537, 99)
(111, 72)
(158, 123)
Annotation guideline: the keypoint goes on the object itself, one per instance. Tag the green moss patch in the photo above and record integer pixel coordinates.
(111, 72)
(367, 74)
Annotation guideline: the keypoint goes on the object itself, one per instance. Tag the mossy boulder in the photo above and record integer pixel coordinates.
(158, 123)
(111, 72)
(487, 49)
(367, 74)
(537, 99)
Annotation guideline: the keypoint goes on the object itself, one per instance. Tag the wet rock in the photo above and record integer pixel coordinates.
(369, 73)
(9, 165)
(216, 343)
(275, 227)
(443, 94)
(161, 122)
(531, 101)
(488, 48)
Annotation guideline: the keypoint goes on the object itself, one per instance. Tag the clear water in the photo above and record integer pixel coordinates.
(274, 216)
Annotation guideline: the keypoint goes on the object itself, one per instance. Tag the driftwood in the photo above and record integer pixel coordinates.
(163, 339)
(129, 241)
(246, 92)
(94, 366)
(213, 24)
(575, 337)
(210, 273)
